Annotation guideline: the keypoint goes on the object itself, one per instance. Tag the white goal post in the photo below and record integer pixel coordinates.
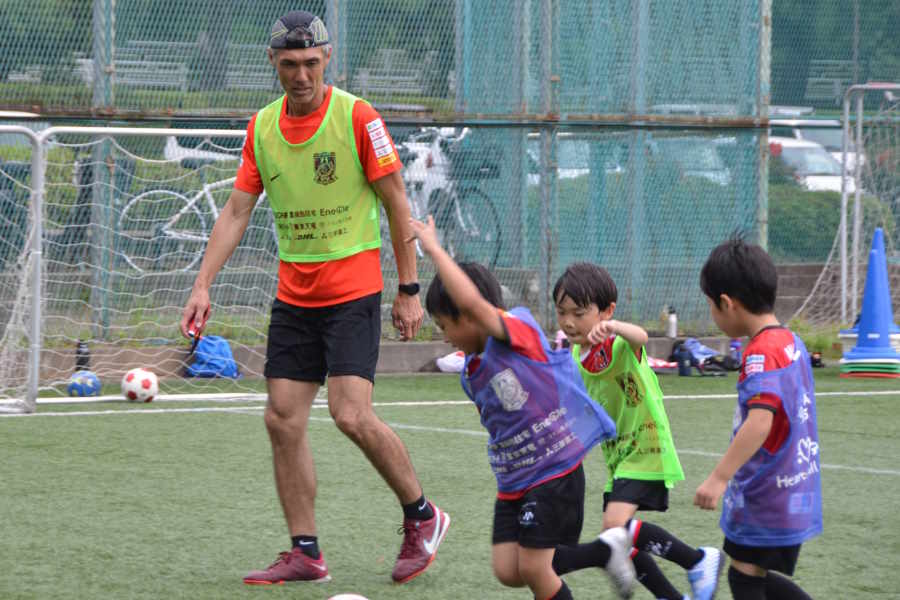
(101, 229)
(856, 94)
(20, 295)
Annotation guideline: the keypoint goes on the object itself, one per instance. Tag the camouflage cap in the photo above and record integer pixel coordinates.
(298, 29)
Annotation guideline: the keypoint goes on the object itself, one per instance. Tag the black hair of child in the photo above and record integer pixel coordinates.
(439, 302)
(742, 271)
(586, 283)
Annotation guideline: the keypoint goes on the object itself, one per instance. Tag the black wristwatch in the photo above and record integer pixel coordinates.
(410, 289)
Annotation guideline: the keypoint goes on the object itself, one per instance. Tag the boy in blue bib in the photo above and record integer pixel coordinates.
(769, 478)
(541, 424)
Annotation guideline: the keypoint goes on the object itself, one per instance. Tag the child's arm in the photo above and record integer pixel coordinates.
(465, 295)
(746, 442)
(631, 333)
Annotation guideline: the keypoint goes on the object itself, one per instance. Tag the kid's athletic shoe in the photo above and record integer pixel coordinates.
(420, 543)
(704, 576)
(619, 568)
(291, 566)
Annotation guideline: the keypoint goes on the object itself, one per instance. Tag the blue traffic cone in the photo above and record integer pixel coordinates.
(877, 318)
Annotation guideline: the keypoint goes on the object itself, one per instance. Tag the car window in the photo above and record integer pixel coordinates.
(830, 138)
(810, 161)
(782, 131)
(570, 154)
(216, 143)
(691, 154)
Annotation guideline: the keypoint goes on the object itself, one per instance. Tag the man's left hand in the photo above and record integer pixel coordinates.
(407, 315)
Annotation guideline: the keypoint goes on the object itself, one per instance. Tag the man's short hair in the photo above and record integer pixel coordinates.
(298, 29)
(586, 283)
(439, 302)
(742, 271)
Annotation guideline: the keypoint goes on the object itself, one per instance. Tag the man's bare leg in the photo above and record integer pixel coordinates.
(286, 418)
(350, 404)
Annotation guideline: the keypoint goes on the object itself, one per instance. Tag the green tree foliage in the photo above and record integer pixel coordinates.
(824, 30)
(424, 28)
(43, 35)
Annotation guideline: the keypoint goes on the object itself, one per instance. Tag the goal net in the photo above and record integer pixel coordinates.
(879, 183)
(125, 223)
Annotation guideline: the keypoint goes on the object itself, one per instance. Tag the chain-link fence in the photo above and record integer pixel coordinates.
(613, 57)
(632, 133)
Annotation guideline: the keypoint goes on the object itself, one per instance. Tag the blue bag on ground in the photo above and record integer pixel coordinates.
(213, 358)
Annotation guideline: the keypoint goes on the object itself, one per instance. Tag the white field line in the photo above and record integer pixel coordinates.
(468, 432)
(261, 397)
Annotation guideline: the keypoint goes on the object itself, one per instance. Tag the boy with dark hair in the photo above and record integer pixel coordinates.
(642, 462)
(770, 473)
(541, 424)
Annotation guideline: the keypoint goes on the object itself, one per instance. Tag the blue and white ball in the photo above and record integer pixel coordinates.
(84, 383)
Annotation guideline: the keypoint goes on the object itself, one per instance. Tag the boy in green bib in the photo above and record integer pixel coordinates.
(642, 462)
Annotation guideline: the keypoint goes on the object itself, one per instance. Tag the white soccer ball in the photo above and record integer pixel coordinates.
(140, 385)
(348, 597)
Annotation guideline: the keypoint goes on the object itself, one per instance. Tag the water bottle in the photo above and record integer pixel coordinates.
(82, 356)
(683, 357)
(735, 349)
(672, 324)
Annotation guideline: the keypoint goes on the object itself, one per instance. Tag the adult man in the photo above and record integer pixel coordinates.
(322, 156)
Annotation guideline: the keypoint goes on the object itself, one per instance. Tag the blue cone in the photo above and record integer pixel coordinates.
(877, 318)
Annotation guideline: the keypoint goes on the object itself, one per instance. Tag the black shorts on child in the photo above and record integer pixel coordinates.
(546, 516)
(772, 558)
(647, 495)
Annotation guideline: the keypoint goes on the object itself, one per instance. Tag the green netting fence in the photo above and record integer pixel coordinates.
(628, 132)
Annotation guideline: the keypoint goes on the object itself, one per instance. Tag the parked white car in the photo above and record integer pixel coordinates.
(813, 167)
(828, 133)
(694, 157)
(174, 151)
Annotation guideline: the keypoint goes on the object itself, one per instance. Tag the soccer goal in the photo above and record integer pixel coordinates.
(101, 234)
(870, 198)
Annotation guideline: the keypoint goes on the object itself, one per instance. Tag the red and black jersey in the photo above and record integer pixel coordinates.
(769, 350)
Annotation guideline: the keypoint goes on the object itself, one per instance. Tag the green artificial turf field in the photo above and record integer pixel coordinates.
(177, 500)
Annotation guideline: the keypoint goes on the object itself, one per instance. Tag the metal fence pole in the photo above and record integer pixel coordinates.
(517, 177)
(641, 28)
(549, 188)
(104, 25)
(102, 225)
(336, 21)
(763, 75)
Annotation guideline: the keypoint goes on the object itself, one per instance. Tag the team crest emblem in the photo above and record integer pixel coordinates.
(630, 388)
(509, 390)
(324, 163)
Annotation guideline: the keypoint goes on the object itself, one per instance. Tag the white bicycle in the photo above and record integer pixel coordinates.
(165, 230)
(443, 180)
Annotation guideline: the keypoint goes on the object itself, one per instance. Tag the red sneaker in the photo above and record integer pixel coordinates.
(291, 566)
(420, 543)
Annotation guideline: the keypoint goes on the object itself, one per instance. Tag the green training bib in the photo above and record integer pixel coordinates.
(629, 392)
(324, 207)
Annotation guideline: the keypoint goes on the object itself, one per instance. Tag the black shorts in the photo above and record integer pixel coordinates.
(308, 344)
(546, 516)
(772, 558)
(647, 495)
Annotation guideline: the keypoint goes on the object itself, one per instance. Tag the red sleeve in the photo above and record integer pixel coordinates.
(768, 351)
(248, 179)
(523, 338)
(599, 356)
(377, 153)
